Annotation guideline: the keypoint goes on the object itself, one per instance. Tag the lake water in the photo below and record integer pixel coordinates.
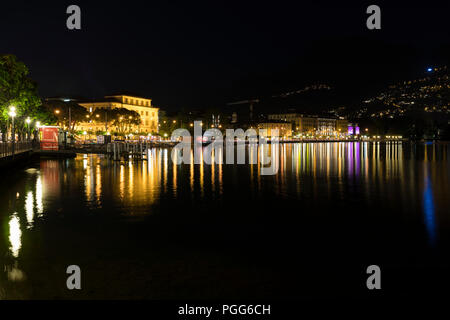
(156, 230)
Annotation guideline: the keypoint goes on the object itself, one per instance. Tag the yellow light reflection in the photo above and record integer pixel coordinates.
(15, 235)
(39, 195)
(29, 209)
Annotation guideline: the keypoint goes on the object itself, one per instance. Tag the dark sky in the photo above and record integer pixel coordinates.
(202, 54)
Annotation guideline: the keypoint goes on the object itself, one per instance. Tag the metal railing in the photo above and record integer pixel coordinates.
(8, 149)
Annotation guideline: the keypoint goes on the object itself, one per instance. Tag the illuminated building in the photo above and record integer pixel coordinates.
(284, 128)
(312, 124)
(143, 106)
(353, 129)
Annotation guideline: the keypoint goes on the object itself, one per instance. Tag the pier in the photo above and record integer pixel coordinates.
(134, 150)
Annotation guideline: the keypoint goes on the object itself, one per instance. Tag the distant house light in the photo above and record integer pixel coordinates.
(430, 69)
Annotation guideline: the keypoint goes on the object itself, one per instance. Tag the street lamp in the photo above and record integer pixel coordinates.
(28, 121)
(57, 112)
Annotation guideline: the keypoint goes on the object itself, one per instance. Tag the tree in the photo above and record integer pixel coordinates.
(65, 112)
(120, 119)
(16, 89)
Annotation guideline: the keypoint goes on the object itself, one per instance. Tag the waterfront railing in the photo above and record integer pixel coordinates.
(8, 149)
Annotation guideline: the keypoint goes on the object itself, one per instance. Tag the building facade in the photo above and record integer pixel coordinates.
(143, 106)
(284, 128)
(312, 125)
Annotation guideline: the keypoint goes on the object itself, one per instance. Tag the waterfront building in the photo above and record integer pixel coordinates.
(326, 127)
(143, 106)
(312, 125)
(284, 128)
(342, 126)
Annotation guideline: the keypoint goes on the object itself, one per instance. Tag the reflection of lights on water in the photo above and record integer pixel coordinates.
(429, 212)
(15, 235)
(98, 183)
(15, 274)
(29, 210)
(85, 161)
(39, 193)
(122, 181)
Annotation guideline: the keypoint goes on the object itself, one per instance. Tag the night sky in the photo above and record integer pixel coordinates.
(200, 54)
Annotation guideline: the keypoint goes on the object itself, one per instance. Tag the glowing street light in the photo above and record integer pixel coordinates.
(57, 111)
(28, 121)
(12, 113)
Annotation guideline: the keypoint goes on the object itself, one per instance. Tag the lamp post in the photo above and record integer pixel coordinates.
(28, 121)
(12, 113)
(38, 125)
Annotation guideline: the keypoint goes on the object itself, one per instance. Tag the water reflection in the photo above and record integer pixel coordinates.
(428, 207)
(15, 235)
(29, 209)
(39, 195)
(404, 179)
